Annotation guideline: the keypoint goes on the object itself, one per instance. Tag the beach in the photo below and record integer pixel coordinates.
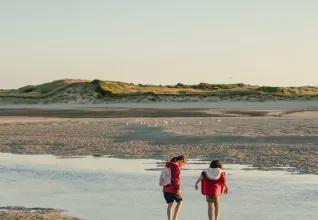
(265, 138)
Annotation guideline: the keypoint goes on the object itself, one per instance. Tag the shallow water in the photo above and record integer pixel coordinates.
(109, 188)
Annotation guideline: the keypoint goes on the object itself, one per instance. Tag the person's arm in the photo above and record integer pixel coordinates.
(226, 190)
(197, 182)
(176, 179)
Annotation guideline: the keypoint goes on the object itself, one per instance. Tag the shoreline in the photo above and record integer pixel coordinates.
(154, 113)
(170, 104)
(249, 167)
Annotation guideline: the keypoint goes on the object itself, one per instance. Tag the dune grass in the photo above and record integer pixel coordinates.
(108, 88)
(203, 88)
(43, 90)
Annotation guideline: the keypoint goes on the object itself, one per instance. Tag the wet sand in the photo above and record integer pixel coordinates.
(265, 142)
(13, 213)
(153, 113)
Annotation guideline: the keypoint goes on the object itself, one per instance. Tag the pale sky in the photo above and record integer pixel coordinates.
(263, 42)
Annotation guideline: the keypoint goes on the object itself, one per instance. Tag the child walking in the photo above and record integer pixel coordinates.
(172, 191)
(213, 181)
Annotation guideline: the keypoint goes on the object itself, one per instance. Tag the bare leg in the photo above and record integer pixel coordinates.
(217, 210)
(169, 211)
(177, 210)
(210, 210)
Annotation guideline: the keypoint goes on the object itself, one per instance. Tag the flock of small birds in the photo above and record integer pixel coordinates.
(165, 123)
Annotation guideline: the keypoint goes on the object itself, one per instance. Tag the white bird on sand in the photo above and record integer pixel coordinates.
(200, 122)
(219, 120)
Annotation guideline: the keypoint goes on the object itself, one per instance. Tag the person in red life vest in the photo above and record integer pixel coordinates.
(213, 182)
(172, 191)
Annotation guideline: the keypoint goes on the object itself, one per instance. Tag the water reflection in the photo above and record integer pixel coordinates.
(109, 188)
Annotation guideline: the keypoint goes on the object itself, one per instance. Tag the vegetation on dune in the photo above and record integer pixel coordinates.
(209, 87)
(117, 88)
(111, 88)
(306, 90)
(43, 90)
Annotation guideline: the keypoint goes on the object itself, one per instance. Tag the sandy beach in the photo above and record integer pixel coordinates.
(279, 136)
(267, 139)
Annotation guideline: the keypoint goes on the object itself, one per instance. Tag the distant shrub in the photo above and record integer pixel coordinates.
(214, 87)
(268, 89)
(241, 85)
(30, 89)
(96, 82)
(27, 89)
(102, 91)
(99, 89)
(180, 85)
(142, 85)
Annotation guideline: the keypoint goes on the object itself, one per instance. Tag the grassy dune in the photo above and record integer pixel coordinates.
(45, 89)
(111, 88)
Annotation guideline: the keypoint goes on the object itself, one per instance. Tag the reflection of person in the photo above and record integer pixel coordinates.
(172, 191)
(213, 181)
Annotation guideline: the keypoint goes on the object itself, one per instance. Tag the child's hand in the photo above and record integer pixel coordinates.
(196, 187)
(179, 192)
(226, 191)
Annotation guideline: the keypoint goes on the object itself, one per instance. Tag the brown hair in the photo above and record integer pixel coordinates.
(216, 164)
(182, 158)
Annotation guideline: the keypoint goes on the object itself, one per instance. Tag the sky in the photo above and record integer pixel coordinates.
(272, 42)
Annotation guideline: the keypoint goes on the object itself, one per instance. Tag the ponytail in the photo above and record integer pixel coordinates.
(179, 158)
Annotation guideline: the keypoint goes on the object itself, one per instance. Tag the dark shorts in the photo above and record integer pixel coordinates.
(171, 197)
(213, 199)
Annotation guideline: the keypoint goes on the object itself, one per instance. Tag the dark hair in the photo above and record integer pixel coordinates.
(216, 164)
(182, 158)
